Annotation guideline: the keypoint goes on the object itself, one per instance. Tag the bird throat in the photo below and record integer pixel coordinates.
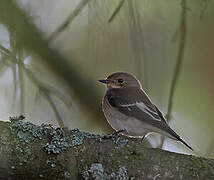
(111, 86)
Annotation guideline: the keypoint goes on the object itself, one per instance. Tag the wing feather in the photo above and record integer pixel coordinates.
(138, 105)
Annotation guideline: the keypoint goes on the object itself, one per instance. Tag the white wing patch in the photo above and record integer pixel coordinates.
(147, 110)
(144, 108)
(127, 105)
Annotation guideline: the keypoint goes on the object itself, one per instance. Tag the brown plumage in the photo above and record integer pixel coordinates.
(127, 107)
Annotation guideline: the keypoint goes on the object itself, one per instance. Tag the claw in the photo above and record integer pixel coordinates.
(118, 132)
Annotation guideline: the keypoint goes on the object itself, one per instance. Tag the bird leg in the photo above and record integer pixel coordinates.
(109, 136)
(142, 139)
(116, 132)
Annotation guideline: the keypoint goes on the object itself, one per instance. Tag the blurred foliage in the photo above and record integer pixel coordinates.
(138, 36)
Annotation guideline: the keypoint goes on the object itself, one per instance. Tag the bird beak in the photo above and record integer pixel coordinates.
(105, 81)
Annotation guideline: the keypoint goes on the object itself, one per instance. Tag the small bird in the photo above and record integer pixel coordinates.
(129, 110)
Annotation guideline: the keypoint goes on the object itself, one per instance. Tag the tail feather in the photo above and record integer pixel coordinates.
(177, 137)
(172, 133)
(181, 140)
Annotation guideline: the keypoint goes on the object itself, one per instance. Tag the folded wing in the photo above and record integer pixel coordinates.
(135, 103)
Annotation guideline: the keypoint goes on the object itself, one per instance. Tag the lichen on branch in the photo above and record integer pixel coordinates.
(30, 151)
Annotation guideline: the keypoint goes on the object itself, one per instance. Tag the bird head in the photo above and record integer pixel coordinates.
(121, 80)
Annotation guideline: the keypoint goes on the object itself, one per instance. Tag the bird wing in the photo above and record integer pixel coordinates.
(135, 103)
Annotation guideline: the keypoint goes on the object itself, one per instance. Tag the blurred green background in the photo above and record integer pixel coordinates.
(55, 81)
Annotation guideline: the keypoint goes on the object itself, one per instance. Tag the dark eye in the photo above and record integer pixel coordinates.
(120, 80)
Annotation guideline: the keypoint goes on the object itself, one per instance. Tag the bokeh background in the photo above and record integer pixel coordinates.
(167, 44)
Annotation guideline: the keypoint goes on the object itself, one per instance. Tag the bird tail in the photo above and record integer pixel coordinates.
(181, 140)
(174, 135)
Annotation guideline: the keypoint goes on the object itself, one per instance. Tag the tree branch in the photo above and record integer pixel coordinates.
(116, 11)
(179, 60)
(30, 38)
(69, 19)
(41, 152)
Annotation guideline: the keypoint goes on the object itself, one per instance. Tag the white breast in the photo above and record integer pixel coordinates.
(118, 121)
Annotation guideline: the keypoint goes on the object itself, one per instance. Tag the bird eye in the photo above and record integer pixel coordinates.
(120, 80)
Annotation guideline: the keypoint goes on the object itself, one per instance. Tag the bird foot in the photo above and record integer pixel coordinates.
(114, 134)
(117, 132)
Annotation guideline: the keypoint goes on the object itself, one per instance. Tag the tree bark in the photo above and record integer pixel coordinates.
(29, 151)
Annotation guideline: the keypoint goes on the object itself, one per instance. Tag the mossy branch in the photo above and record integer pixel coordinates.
(41, 152)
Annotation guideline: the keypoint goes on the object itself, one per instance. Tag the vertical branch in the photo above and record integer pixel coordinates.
(17, 57)
(15, 85)
(44, 90)
(116, 11)
(13, 66)
(69, 19)
(137, 40)
(179, 60)
(179, 57)
(54, 108)
(21, 82)
(204, 8)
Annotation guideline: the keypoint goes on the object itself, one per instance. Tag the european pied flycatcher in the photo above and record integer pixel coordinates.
(127, 107)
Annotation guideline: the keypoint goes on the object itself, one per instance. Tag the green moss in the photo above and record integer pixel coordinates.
(97, 172)
(27, 132)
(120, 142)
(77, 138)
(51, 163)
(67, 175)
(23, 154)
(110, 155)
(58, 142)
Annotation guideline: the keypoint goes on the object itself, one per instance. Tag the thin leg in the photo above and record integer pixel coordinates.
(142, 139)
(118, 132)
(109, 136)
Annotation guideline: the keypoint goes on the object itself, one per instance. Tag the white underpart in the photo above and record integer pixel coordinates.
(133, 127)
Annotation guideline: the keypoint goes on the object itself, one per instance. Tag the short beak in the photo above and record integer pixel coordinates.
(105, 81)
